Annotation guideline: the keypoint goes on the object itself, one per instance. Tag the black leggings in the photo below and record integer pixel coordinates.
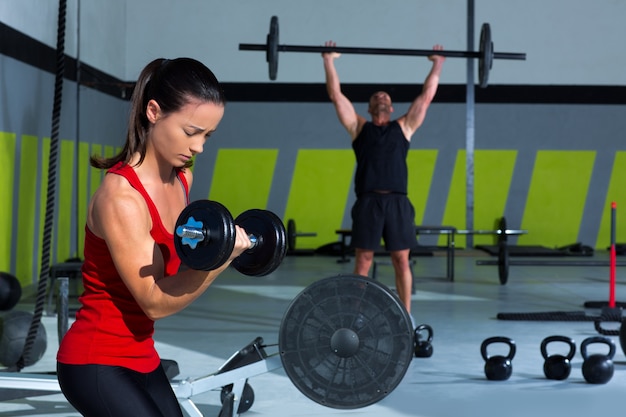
(114, 391)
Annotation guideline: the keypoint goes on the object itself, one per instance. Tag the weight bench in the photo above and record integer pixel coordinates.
(69, 269)
(244, 364)
(449, 231)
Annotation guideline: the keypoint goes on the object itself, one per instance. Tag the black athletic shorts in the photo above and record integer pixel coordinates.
(114, 391)
(390, 217)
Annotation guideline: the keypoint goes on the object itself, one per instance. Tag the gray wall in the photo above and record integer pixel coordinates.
(567, 41)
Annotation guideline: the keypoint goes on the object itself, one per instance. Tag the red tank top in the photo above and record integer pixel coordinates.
(110, 327)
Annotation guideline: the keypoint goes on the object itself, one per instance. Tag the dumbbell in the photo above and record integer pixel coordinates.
(205, 236)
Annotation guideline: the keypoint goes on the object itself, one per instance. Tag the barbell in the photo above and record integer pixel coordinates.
(293, 234)
(504, 262)
(485, 54)
(205, 236)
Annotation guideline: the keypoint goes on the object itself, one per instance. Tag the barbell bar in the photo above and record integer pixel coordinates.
(485, 54)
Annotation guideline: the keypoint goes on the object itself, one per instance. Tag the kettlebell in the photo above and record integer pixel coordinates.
(498, 367)
(423, 346)
(557, 366)
(597, 368)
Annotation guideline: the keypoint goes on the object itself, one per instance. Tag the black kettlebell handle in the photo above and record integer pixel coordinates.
(564, 339)
(498, 339)
(597, 339)
(424, 328)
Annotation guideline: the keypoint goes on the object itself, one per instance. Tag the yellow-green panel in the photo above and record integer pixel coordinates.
(65, 207)
(83, 194)
(95, 177)
(320, 186)
(556, 197)
(43, 200)
(242, 178)
(26, 212)
(493, 172)
(7, 175)
(615, 193)
(454, 214)
(421, 165)
(109, 151)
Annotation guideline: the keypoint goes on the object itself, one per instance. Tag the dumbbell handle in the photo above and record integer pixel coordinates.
(200, 234)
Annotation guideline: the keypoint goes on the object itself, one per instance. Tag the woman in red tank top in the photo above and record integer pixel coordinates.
(107, 364)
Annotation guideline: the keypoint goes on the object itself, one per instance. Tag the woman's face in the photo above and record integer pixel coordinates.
(178, 136)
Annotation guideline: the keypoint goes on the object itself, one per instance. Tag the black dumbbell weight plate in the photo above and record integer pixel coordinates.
(270, 251)
(213, 251)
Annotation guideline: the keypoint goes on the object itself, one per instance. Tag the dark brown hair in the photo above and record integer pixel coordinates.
(172, 84)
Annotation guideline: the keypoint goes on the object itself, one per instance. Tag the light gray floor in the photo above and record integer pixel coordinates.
(451, 383)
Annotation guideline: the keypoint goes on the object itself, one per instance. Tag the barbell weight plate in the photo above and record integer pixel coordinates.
(346, 341)
(503, 262)
(272, 247)
(291, 234)
(486, 55)
(271, 54)
(215, 250)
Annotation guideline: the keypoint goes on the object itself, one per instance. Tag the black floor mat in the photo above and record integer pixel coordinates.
(548, 316)
(536, 250)
(18, 394)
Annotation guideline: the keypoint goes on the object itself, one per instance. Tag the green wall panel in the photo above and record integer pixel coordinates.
(7, 186)
(242, 178)
(321, 183)
(421, 165)
(43, 199)
(454, 214)
(109, 151)
(95, 175)
(556, 197)
(493, 171)
(83, 194)
(66, 211)
(27, 206)
(616, 193)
